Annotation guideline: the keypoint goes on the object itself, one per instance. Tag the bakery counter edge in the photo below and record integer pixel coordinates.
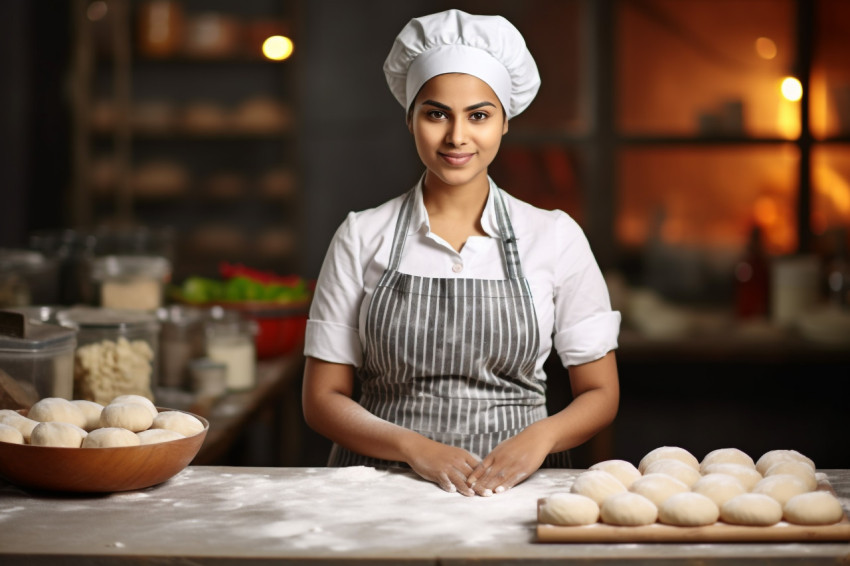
(232, 515)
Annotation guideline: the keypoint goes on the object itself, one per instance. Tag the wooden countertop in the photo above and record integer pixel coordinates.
(229, 515)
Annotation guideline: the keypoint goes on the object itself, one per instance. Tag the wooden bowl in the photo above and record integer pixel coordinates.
(98, 470)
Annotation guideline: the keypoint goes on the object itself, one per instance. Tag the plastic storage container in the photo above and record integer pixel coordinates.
(42, 361)
(117, 352)
(130, 282)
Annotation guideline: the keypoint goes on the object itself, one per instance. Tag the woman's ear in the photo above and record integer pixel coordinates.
(505, 127)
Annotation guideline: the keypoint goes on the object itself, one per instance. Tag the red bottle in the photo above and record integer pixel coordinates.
(752, 280)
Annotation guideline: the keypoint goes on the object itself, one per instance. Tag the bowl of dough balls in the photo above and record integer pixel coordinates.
(83, 446)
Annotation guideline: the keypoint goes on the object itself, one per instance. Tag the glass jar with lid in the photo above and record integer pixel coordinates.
(130, 282)
(181, 341)
(117, 352)
(40, 360)
(27, 277)
(230, 339)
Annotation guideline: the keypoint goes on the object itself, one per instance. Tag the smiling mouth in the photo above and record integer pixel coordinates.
(456, 158)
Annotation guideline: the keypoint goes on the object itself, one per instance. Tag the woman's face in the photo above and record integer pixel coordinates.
(457, 122)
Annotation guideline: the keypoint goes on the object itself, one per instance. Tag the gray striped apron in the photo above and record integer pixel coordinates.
(452, 359)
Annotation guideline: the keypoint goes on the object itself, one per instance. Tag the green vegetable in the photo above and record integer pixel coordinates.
(241, 288)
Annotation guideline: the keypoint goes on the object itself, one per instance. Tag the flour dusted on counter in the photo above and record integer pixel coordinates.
(106, 369)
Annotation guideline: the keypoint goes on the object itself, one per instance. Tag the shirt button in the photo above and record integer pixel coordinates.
(457, 268)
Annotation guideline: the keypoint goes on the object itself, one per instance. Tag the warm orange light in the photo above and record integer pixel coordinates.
(833, 205)
(765, 211)
(278, 47)
(791, 89)
(766, 48)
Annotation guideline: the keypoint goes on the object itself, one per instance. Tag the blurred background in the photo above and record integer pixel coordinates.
(703, 146)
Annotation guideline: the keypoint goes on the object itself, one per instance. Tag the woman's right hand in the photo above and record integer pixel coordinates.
(447, 466)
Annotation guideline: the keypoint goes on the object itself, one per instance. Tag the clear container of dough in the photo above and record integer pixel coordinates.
(117, 352)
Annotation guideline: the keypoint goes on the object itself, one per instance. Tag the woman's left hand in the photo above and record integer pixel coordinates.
(509, 463)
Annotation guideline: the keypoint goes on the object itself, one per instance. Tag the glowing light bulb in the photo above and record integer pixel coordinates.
(792, 89)
(278, 47)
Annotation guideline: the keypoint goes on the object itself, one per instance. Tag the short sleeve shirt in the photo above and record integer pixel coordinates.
(570, 295)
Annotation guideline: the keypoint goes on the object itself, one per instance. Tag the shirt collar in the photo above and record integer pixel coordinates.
(419, 219)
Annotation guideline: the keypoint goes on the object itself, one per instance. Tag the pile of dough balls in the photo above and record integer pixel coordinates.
(127, 420)
(671, 486)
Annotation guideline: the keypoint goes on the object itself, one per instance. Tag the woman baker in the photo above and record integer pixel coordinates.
(444, 302)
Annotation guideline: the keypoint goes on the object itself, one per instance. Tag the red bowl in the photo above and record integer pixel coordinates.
(278, 335)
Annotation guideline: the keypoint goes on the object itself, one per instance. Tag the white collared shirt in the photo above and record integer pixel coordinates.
(570, 296)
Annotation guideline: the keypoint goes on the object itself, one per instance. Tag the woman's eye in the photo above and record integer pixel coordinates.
(436, 114)
(478, 116)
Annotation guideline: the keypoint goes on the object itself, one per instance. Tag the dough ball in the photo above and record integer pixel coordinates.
(157, 435)
(795, 468)
(727, 456)
(756, 509)
(814, 508)
(720, 488)
(676, 468)
(658, 487)
(57, 434)
(673, 452)
(781, 487)
(110, 437)
(623, 470)
(57, 409)
(20, 422)
(570, 509)
(688, 509)
(91, 411)
(597, 485)
(132, 416)
(184, 423)
(747, 476)
(772, 457)
(10, 434)
(628, 509)
(137, 399)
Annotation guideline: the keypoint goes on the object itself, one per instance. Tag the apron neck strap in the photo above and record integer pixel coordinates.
(511, 253)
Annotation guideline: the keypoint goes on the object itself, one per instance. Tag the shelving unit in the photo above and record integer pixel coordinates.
(194, 135)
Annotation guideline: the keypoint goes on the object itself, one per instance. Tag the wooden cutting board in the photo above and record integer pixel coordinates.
(718, 532)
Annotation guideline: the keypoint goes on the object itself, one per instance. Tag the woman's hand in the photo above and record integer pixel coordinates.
(596, 395)
(330, 411)
(447, 466)
(510, 462)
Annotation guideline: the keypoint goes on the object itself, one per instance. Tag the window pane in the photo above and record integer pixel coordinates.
(708, 197)
(830, 90)
(830, 188)
(700, 67)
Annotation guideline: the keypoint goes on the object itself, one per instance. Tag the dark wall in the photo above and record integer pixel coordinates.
(34, 154)
(356, 150)
(14, 115)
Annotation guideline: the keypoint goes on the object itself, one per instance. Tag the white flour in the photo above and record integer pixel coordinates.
(334, 509)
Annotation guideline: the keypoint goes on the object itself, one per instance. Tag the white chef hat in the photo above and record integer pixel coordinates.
(487, 47)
